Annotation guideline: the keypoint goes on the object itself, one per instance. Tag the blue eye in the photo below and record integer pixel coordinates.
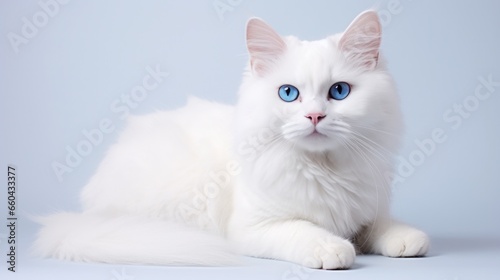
(340, 90)
(288, 93)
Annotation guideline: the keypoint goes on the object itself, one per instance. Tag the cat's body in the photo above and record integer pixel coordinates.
(292, 175)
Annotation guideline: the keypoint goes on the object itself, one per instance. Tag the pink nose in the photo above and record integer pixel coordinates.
(315, 117)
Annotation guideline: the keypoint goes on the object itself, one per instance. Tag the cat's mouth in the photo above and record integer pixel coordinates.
(315, 141)
(316, 133)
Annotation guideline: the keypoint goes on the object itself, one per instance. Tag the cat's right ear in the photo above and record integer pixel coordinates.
(264, 45)
(361, 41)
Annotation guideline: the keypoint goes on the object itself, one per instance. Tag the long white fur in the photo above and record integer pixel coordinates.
(208, 181)
(129, 239)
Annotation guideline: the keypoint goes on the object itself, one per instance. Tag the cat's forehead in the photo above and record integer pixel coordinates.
(311, 49)
(312, 62)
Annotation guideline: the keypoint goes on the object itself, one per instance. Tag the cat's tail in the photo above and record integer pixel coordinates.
(129, 240)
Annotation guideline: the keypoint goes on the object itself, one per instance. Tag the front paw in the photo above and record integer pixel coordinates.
(405, 243)
(330, 253)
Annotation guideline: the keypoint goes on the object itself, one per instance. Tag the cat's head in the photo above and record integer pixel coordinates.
(328, 95)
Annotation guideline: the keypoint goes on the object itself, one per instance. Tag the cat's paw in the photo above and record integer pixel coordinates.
(405, 243)
(331, 253)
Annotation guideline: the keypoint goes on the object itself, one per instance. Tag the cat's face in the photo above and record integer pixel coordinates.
(325, 95)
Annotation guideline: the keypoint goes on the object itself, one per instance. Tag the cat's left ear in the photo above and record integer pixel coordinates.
(361, 40)
(264, 45)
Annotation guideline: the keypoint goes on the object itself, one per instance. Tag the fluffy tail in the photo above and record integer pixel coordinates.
(129, 240)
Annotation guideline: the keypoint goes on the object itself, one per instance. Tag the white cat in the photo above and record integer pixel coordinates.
(298, 171)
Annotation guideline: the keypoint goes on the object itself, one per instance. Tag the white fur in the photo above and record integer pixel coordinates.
(175, 182)
(129, 239)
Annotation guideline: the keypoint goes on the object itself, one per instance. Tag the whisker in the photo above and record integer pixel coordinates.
(375, 129)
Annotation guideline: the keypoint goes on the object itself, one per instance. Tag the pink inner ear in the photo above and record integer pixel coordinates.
(264, 44)
(361, 40)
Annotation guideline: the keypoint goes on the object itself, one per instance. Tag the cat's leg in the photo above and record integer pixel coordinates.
(393, 239)
(297, 241)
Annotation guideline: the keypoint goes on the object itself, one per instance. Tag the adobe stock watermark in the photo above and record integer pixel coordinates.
(454, 117)
(247, 150)
(392, 8)
(121, 107)
(219, 181)
(31, 26)
(121, 275)
(222, 7)
(297, 272)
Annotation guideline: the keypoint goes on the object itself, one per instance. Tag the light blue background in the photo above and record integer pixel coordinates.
(91, 52)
